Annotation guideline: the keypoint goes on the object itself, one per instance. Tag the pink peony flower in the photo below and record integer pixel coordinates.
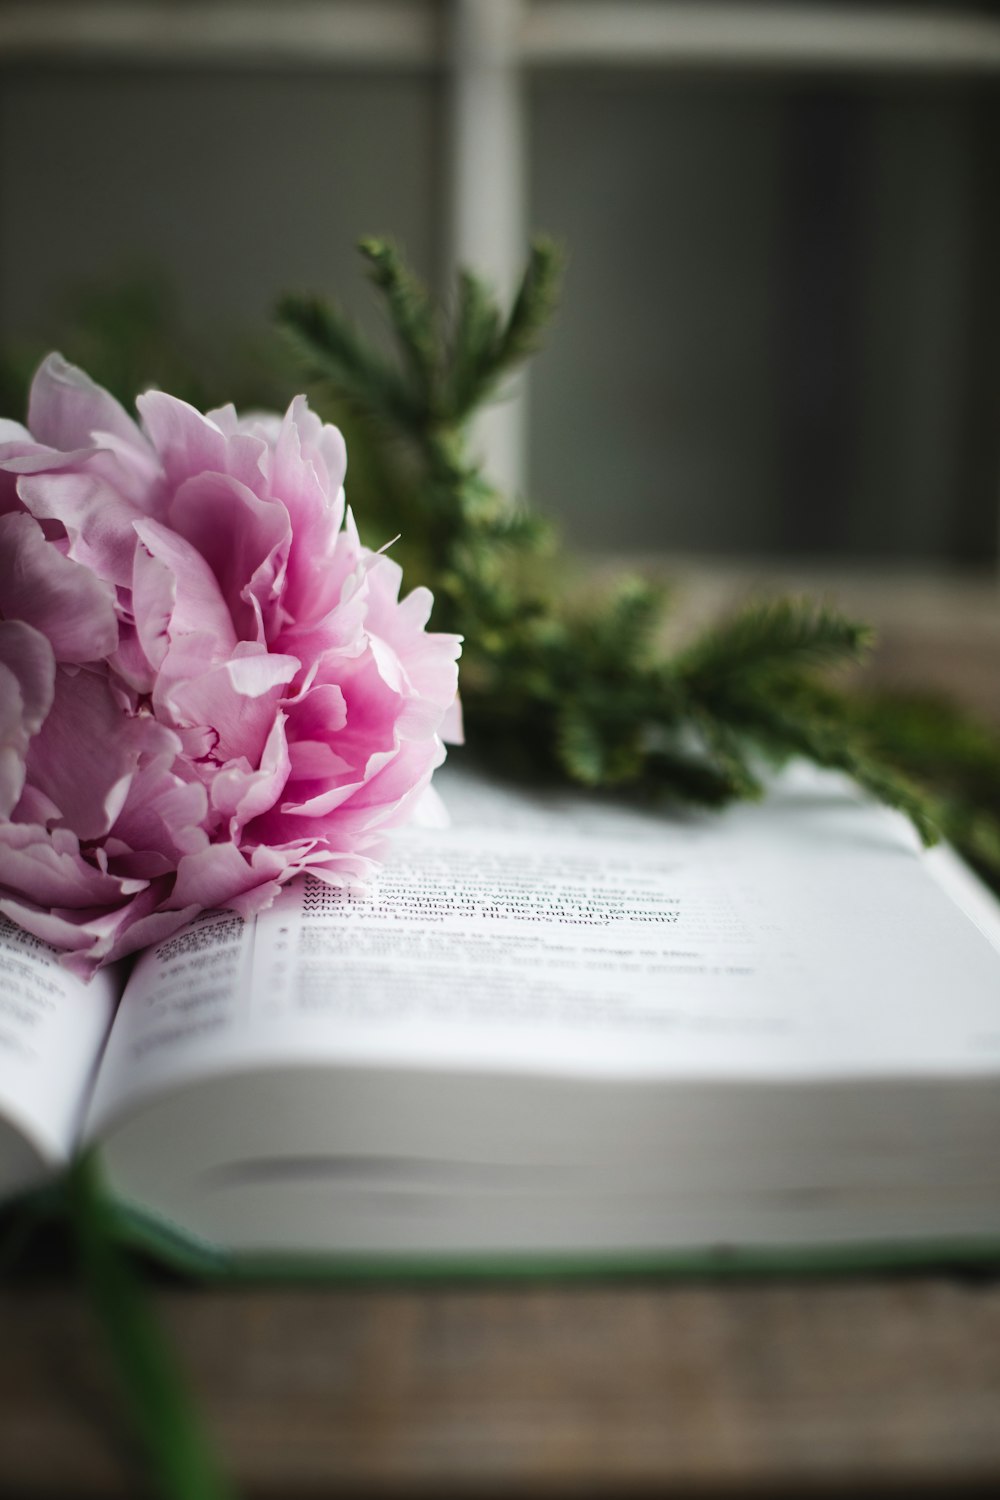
(207, 684)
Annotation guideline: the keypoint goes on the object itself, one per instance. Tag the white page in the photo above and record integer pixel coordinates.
(805, 937)
(52, 1028)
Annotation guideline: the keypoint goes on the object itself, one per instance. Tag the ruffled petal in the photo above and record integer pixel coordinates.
(98, 520)
(188, 443)
(163, 815)
(28, 656)
(48, 868)
(244, 541)
(238, 700)
(65, 602)
(66, 408)
(178, 605)
(86, 752)
(217, 876)
(241, 793)
(27, 682)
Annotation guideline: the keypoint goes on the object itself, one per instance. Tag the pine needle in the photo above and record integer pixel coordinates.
(411, 311)
(333, 354)
(778, 637)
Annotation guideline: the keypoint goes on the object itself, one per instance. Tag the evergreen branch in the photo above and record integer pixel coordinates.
(534, 304)
(587, 694)
(672, 775)
(484, 347)
(624, 627)
(729, 752)
(333, 354)
(781, 637)
(411, 311)
(976, 835)
(580, 747)
(836, 745)
(934, 739)
(473, 348)
(946, 749)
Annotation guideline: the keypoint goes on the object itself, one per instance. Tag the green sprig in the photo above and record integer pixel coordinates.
(768, 642)
(587, 693)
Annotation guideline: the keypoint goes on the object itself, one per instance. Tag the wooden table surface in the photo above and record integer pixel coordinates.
(697, 1388)
(550, 1390)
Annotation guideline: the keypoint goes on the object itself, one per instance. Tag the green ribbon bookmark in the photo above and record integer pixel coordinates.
(182, 1462)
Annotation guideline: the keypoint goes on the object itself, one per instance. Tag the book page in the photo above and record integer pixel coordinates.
(52, 1028)
(803, 937)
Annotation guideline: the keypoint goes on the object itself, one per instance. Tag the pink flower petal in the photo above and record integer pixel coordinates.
(241, 537)
(50, 870)
(178, 604)
(99, 521)
(239, 700)
(87, 749)
(215, 877)
(163, 814)
(240, 793)
(189, 444)
(90, 939)
(66, 408)
(74, 610)
(27, 655)
(141, 928)
(312, 495)
(387, 797)
(35, 807)
(27, 677)
(311, 760)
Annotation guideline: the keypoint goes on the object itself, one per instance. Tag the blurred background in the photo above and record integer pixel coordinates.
(780, 327)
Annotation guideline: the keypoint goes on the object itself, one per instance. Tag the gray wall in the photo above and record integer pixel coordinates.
(240, 184)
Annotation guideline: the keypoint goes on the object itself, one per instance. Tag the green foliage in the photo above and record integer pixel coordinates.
(559, 688)
(448, 367)
(486, 346)
(366, 381)
(939, 745)
(768, 645)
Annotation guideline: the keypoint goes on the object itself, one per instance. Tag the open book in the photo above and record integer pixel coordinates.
(556, 1032)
